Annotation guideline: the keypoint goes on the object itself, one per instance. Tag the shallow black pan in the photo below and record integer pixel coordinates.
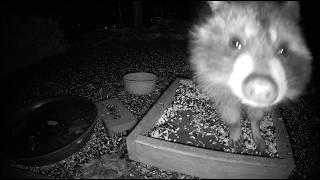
(49, 130)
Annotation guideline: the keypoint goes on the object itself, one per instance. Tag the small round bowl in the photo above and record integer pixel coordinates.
(139, 83)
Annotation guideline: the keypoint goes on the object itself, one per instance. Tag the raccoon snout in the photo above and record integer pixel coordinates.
(260, 89)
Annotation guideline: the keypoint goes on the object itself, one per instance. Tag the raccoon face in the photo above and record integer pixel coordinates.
(254, 48)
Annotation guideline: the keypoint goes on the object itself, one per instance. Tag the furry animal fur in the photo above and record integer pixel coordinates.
(250, 56)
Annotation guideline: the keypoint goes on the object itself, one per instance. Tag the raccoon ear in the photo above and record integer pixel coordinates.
(293, 8)
(214, 5)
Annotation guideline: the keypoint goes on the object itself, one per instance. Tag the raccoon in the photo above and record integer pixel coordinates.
(249, 57)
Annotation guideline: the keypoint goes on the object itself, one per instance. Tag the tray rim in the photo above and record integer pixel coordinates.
(138, 141)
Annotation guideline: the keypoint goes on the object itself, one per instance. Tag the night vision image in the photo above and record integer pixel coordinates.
(159, 89)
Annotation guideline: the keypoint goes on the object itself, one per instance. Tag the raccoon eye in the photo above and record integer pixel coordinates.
(283, 50)
(235, 43)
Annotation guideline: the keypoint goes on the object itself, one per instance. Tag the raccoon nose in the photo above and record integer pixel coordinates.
(260, 88)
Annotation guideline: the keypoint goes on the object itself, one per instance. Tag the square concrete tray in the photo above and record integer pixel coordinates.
(205, 163)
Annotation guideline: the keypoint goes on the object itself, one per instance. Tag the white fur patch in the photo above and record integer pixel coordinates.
(250, 31)
(242, 67)
(278, 74)
(273, 34)
(204, 33)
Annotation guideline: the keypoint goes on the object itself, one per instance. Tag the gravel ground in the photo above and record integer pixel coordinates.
(96, 74)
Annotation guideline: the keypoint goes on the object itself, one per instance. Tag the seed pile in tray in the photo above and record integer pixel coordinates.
(192, 120)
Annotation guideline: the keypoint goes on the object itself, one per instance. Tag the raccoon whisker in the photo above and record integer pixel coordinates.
(292, 80)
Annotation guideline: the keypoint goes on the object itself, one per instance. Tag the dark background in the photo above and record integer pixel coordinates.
(29, 25)
(84, 16)
(77, 19)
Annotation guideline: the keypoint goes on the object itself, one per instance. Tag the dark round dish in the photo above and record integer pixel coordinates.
(50, 130)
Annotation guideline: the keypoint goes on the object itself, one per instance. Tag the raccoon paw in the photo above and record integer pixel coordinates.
(236, 144)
